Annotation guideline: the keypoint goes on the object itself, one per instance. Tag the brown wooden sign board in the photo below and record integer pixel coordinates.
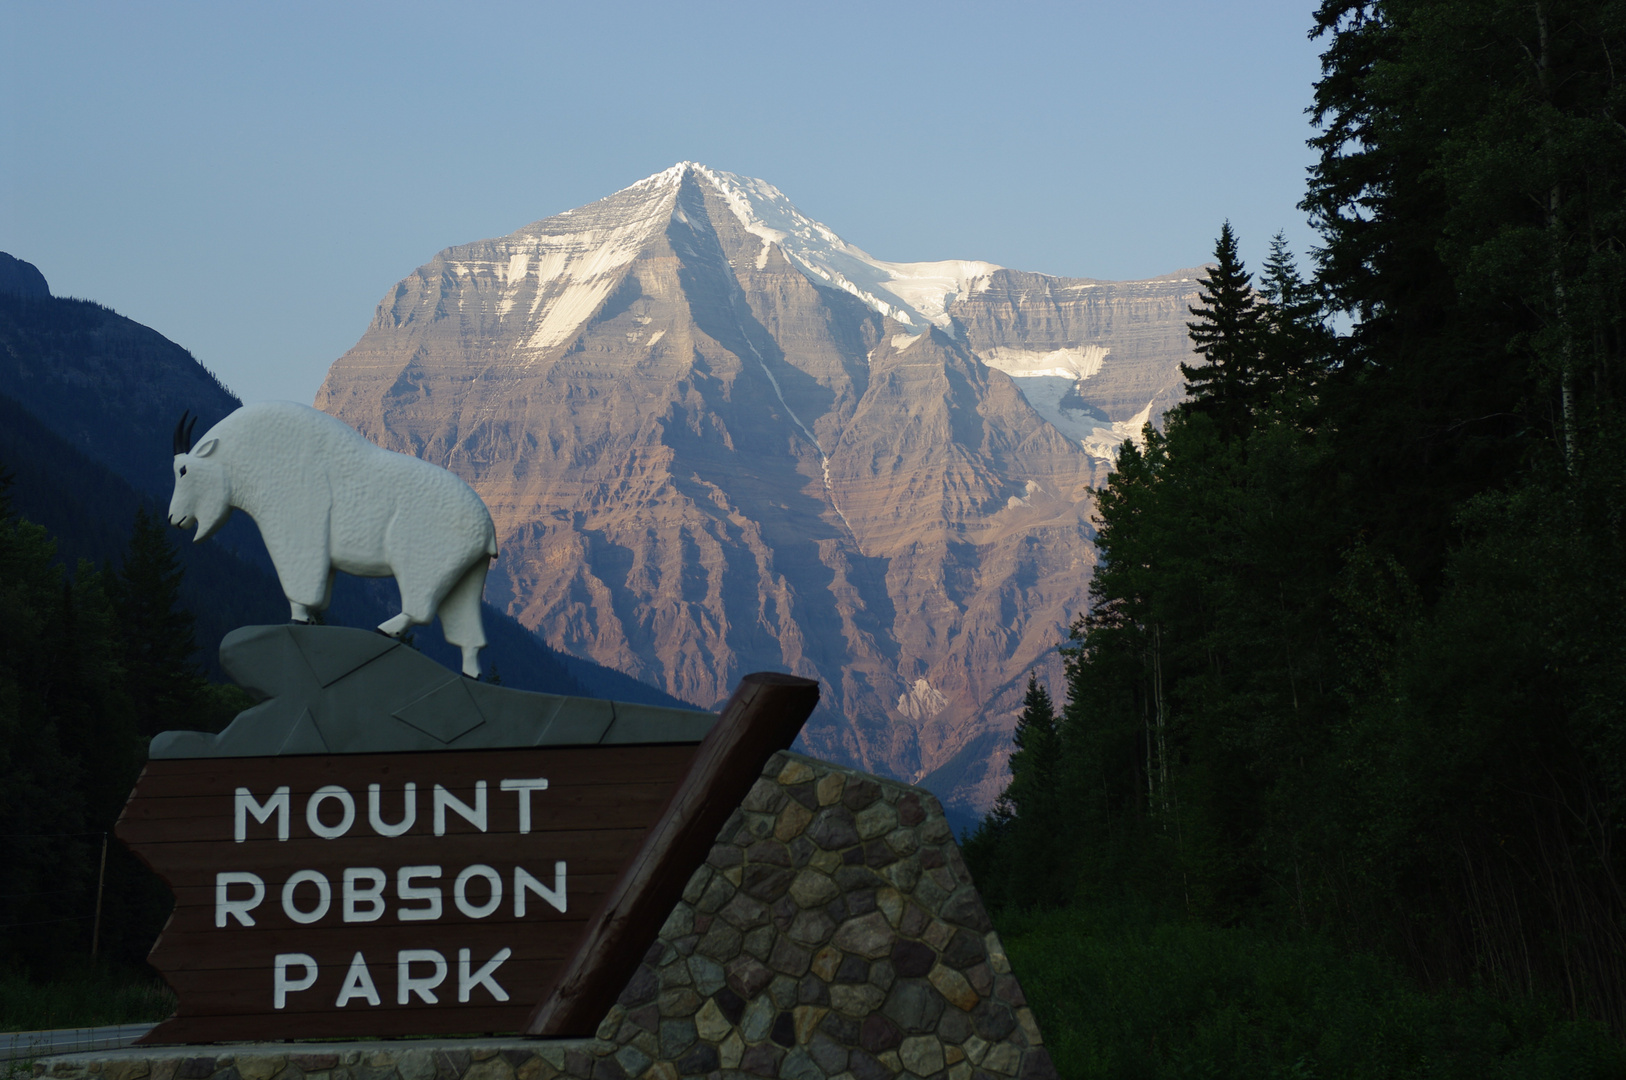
(455, 892)
(456, 924)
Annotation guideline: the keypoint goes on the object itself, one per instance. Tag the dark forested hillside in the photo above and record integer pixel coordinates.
(88, 511)
(87, 401)
(108, 385)
(1356, 661)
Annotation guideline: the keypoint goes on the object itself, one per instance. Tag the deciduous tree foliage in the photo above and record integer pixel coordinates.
(1356, 658)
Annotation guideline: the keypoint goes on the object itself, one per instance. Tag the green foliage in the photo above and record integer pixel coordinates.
(1227, 333)
(1124, 996)
(1471, 193)
(87, 661)
(1026, 872)
(158, 650)
(1356, 660)
(82, 997)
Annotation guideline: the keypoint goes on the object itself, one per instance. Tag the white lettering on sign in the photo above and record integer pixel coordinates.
(245, 804)
(466, 982)
(347, 811)
(237, 909)
(293, 972)
(524, 788)
(408, 891)
(355, 894)
(358, 982)
(407, 984)
(282, 985)
(524, 882)
(493, 889)
(475, 815)
(478, 891)
(324, 896)
(408, 817)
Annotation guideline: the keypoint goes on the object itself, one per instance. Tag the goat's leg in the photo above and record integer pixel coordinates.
(460, 616)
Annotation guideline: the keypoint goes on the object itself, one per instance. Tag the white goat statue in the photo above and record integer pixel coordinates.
(326, 499)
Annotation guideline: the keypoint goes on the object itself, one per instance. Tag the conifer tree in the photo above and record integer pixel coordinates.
(162, 679)
(1038, 746)
(1226, 334)
(1018, 844)
(1293, 335)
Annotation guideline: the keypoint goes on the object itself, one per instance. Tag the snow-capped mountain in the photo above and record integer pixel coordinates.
(718, 438)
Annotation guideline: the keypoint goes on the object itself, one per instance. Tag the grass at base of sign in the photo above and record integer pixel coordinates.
(1122, 996)
(82, 997)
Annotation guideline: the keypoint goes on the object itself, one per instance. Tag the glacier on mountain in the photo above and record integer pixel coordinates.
(559, 271)
(1049, 381)
(917, 294)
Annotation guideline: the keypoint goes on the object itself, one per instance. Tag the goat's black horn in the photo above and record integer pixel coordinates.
(180, 442)
(189, 429)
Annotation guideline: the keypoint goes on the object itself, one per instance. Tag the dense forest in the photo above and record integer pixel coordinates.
(92, 665)
(1355, 665)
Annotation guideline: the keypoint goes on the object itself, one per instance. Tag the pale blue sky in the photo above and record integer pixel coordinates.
(249, 179)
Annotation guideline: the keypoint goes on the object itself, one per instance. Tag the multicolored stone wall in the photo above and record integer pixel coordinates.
(833, 931)
(832, 934)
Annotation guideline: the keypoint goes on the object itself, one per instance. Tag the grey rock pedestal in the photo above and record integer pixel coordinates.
(335, 690)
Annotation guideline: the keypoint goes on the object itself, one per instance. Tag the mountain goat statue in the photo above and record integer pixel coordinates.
(326, 499)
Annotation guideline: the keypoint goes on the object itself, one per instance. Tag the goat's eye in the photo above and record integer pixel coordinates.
(183, 470)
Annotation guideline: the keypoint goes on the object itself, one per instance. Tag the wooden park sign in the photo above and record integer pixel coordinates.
(385, 848)
(382, 847)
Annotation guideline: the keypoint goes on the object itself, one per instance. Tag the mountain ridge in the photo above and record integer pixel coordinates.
(705, 458)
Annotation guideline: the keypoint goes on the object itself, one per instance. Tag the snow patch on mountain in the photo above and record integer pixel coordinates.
(566, 272)
(1076, 363)
(912, 293)
(1030, 489)
(922, 701)
(567, 266)
(1104, 442)
(1049, 380)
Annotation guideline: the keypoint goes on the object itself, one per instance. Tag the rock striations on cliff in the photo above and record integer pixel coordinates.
(716, 438)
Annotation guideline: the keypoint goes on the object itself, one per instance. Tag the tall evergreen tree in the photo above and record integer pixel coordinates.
(1020, 843)
(163, 681)
(1470, 190)
(68, 751)
(1038, 748)
(1295, 344)
(1226, 334)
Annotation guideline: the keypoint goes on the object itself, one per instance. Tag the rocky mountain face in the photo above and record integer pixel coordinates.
(19, 278)
(716, 438)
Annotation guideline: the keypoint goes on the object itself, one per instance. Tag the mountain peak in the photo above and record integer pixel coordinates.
(914, 293)
(21, 278)
(703, 461)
